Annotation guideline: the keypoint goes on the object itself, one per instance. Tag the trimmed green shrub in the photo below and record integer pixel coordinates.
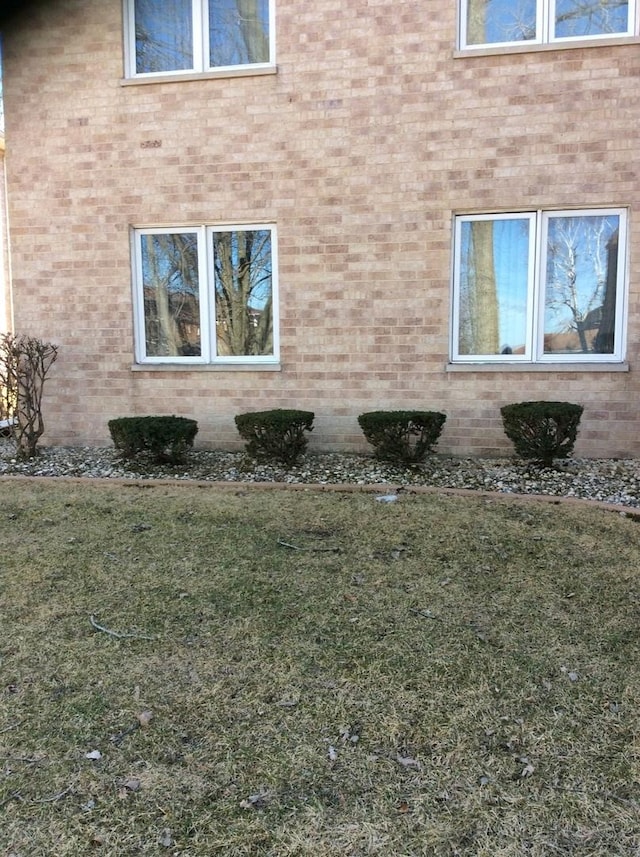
(166, 439)
(277, 434)
(542, 431)
(402, 436)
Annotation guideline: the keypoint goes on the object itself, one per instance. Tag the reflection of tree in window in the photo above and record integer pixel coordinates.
(479, 300)
(164, 35)
(590, 17)
(243, 292)
(238, 32)
(491, 21)
(500, 21)
(171, 299)
(581, 281)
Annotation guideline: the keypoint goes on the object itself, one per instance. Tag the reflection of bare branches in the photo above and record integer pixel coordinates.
(589, 17)
(578, 274)
(244, 319)
(489, 22)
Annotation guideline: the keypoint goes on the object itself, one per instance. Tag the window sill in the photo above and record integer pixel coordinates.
(206, 367)
(180, 77)
(525, 48)
(537, 367)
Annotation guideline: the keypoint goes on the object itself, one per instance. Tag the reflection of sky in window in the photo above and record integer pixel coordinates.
(510, 256)
(515, 20)
(590, 18)
(505, 20)
(234, 40)
(164, 35)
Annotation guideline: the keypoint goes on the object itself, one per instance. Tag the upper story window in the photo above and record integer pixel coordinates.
(539, 286)
(169, 37)
(205, 294)
(515, 22)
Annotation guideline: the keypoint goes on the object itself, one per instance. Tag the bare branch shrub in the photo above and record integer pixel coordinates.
(24, 364)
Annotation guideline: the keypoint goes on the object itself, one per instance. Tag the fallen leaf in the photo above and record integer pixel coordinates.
(408, 762)
(132, 784)
(144, 718)
(94, 755)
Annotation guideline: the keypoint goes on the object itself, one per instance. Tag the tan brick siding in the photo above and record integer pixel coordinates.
(360, 149)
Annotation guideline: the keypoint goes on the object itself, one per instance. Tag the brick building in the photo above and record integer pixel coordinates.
(217, 207)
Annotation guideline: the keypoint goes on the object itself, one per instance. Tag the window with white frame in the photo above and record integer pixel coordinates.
(168, 37)
(513, 22)
(539, 286)
(206, 294)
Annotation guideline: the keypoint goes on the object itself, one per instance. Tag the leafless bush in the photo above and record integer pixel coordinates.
(24, 364)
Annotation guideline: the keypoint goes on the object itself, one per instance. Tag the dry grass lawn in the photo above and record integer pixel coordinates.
(198, 671)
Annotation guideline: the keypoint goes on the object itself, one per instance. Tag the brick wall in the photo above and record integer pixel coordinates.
(361, 148)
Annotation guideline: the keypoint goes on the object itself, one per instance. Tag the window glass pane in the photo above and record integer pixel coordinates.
(243, 292)
(171, 295)
(490, 21)
(493, 278)
(238, 32)
(590, 17)
(164, 35)
(582, 273)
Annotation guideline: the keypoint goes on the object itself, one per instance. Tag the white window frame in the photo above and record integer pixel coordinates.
(545, 23)
(200, 23)
(536, 289)
(206, 281)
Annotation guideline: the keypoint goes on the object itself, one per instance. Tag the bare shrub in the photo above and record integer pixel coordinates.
(24, 364)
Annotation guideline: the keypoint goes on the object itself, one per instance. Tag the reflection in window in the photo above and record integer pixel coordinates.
(582, 273)
(197, 35)
(164, 35)
(170, 292)
(243, 292)
(539, 285)
(494, 22)
(205, 294)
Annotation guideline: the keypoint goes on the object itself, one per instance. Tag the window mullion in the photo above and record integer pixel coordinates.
(537, 286)
(545, 15)
(207, 294)
(199, 12)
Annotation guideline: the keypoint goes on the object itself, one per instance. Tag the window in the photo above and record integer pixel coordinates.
(205, 295)
(510, 22)
(539, 287)
(181, 36)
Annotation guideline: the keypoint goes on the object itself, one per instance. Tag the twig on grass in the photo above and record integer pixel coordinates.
(53, 798)
(9, 798)
(119, 738)
(425, 614)
(11, 726)
(311, 550)
(117, 634)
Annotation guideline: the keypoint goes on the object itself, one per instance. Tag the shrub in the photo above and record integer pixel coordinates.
(278, 434)
(24, 364)
(542, 431)
(166, 439)
(402, 436)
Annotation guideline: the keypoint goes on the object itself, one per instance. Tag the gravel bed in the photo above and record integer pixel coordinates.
(605, 480)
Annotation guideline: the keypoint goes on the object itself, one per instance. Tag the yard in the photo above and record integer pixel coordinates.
(198, 670)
